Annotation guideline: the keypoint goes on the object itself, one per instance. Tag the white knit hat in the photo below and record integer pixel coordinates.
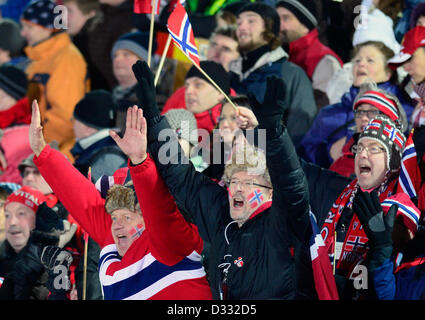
(376, 26)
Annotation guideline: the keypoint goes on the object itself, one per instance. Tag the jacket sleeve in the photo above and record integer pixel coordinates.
(172, 237)
(78, 195)
(384, 281)
(301, 100)
(290, 189)
(205, 202)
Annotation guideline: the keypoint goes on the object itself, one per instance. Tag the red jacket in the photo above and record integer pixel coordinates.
(307, 52)
(205, 120)
(162, 263)
(20, 113)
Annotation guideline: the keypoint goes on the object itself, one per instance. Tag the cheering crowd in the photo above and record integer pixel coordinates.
(212, 150)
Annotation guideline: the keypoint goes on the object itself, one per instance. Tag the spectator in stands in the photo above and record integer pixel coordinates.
(57, 72)
(15, 115)
(257, 30)
(299, 30)
(12, 44)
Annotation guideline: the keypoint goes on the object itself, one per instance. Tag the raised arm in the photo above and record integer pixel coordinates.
(76, 192)
(173, 238)
(290, 189)
(200, 197)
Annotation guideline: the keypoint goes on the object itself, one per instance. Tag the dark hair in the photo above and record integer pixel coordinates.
(269, 36)
(391, 8)
(227, 16)
(239, 100)
(86, 6)
(229, 31)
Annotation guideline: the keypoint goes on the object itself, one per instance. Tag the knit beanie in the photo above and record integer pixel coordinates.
(136, 42)
(27, 196)
(96, 109)
(377, 27)
(215, 71)
(184, 124)
(10, 37)
(41, 12)
(265, 11)
(385, 102)
(304, 10)
(13, 81)
(383, 130)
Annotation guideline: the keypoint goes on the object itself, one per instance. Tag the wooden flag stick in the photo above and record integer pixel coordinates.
(151, 33)
(86, 242)
(216, 86)
(161, 63)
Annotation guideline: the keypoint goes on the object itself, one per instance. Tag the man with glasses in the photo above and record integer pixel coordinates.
(349, 238)
(250, 226)
(369, 103)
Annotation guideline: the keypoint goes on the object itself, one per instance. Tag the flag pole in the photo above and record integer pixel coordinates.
(151, 33)
(216, 86)
(86, 242)
(161, 63)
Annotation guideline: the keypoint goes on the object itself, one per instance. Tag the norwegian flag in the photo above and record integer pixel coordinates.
(255, 198)
(324, 280)
(374, 124)
(145, 6)
(409, 180)
(181, 32)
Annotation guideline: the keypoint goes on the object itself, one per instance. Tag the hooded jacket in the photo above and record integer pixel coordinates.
(256, 256)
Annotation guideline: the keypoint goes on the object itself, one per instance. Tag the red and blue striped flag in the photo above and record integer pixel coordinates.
(410, 177)
(324, 279)
(181, 32)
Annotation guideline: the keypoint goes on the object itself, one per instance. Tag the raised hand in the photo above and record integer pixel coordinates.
(246, 119)
(270, 112)
(36, 137)
(145, 89)
(134, 141)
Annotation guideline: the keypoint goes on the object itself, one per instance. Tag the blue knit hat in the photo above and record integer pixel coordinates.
(41, 12)
(136, 42)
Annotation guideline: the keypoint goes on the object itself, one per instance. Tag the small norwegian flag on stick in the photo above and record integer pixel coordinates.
(181, 33)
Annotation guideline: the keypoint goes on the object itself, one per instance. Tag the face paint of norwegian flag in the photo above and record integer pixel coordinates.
(137, 231)
(255, 198)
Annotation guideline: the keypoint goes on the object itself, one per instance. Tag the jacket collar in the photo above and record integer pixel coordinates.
(303, 42)
(48, 47)
(267, 58)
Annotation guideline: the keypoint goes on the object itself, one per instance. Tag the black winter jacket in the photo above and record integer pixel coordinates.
(263, 243)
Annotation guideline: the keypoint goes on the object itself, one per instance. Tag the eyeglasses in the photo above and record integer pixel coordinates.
(246, 184)
(27, 172)
(369, 113)
(357, 149)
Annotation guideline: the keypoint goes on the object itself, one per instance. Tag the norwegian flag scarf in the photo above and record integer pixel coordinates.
(352, 250)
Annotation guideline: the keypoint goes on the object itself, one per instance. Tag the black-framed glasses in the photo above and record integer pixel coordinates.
(369, 113)
(246, 184)
(369, 150)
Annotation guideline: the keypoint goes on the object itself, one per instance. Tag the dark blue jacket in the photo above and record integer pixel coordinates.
(316, 144)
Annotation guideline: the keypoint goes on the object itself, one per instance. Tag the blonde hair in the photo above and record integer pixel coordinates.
(247, 158)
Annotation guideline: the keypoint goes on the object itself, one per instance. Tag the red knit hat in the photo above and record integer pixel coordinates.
(27, 196)
(379, 100)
